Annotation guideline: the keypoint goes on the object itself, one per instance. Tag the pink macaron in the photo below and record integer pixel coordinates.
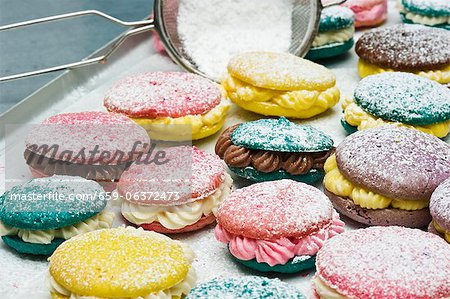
(368, 13)
(384, 262)
(277, 226)
(180, 192)
(95, 145)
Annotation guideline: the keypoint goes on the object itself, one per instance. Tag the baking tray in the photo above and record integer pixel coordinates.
(83, 90)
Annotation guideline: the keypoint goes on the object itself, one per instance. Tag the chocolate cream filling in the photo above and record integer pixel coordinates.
(49, 166)
(268, 161)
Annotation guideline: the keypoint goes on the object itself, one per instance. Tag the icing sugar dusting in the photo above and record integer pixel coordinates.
(386, 262)
(336, 17)
(272, 210)
(163, 94)
(395, 162)
(213, 31)
(440, 205)
(404, 97)
(429, 6)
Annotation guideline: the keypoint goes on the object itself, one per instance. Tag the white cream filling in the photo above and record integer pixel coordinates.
(177, 290)
(333, 36)
(422, 19)
(101, 220)
(324, 291)
(177, 217)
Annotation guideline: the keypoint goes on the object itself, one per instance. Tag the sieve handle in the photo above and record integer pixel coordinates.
(137, 27)
(333, 3)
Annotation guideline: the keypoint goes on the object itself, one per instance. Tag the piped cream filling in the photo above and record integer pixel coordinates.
(324, 291)
(333, 36)
(177, 217)
(422, 19)
(101, 220)
(177, 291)
(440, 230)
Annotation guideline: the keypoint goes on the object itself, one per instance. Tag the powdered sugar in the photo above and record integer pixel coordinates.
(440, 205)
(386, 262)
(212, 31)
(432, 7)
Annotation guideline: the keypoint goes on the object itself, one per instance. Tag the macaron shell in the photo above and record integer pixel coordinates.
(330, 50)
(273, 210)
(382, 217)
(141, 263)
(440, 205)
(335, 18)
(395, 162)
(189, 174)
(31, 248)
(434, 8)
(280, 135)
(405, 47)
(404, 97)
(290, 267)
(280, 71)
(51, 213)
(386, 262)
(250, 173)
(163, 94)
(203, 222)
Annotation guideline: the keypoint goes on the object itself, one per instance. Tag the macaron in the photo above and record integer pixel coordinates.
(383, 262)
(368, 13)
(180, 195)
(275, 149)
(424, 51)
(39, 215)
(171, 106)
(435, 13)
(95, 145)
(277, 226)
(280, 84)
(121, 263)
(386, 175)
(245, 287)
(399, 98)
(335, 36)
(440, 210)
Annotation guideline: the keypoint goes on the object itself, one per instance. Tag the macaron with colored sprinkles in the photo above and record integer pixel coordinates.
(401, 99)
(291, 218)
(275, 149)
(39, 215)
(335, 36)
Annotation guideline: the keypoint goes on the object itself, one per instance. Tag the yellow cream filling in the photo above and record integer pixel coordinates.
(190, 127)
(440, 230)
(442, 75)
(337, 184)
(294, 104)
(357, 117)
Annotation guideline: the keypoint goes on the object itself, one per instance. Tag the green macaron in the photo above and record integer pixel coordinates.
(275, 149)
(32, 213)
(434, 13)
(295, 265)
(335, 36)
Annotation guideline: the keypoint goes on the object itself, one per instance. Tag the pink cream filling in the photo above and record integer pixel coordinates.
(278, 251)
(362, 14)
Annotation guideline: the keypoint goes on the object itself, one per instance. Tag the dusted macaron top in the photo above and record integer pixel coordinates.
(436, 8)
(280, 135)
(51, 203)
(404, 97)
(185, 174)
(395, 162)
(440, 205)
(386, 262)
(246, 287)
(273, 210)
(335, 18)
(280, 71)
(101, 136)
(163, 94)
(120, 262)
(405, 47)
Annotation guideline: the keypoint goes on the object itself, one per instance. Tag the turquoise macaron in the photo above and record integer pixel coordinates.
(39, 215)
(245, 287)
(434, 13)
(275, 149)
(335, 36)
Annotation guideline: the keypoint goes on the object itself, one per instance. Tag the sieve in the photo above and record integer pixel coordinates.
(305, 23)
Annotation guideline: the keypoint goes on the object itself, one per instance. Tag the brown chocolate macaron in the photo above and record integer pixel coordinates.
(417, 49)
(386, 175)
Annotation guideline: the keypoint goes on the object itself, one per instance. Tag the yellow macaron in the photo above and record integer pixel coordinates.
(121, 263)
(280, 84)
